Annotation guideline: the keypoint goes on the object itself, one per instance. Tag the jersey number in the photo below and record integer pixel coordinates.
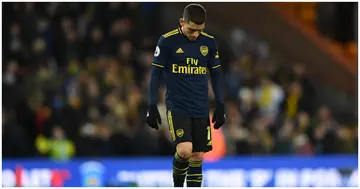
(209, 133)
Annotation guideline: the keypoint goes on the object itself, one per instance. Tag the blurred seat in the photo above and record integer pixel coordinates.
(351, 50)
(305, 12)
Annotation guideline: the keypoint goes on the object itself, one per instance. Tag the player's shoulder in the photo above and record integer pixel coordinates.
(168, 37)
(171, 33)
(208, 36)
(210, 39)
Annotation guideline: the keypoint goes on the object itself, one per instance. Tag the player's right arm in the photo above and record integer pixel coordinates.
(158, 65)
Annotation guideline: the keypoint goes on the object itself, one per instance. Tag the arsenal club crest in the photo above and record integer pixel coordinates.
(204, 50)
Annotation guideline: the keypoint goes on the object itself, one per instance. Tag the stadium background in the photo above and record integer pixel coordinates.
(75, 79)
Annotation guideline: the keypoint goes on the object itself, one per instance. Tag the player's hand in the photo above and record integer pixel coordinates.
(153, 117)
(219, 116)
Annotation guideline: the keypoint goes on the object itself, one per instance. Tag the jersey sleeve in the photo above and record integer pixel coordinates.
(214, 62)
(216, 76)
(161, 54)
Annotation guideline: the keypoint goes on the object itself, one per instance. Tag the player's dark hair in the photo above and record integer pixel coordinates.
(195, 13)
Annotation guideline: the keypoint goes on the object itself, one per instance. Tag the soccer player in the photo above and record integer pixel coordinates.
(187, 54)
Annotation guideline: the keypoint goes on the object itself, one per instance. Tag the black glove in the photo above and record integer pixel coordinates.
(153, 117)
(219, 116)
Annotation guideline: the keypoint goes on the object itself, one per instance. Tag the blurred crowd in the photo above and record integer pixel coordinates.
(75, 80)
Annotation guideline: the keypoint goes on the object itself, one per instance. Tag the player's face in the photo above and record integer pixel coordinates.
(192, 30)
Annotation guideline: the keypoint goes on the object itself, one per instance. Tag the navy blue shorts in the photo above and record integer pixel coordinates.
(194, 130)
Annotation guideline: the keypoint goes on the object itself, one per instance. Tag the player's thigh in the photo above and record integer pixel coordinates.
(180, 127)
(201, 135)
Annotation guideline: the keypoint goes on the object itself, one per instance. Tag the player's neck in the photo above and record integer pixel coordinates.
(182, 30)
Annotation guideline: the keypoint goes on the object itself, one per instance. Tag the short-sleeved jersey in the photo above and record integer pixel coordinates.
(186, 64)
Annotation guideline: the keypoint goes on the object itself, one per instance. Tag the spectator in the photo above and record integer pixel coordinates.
(234, 79)
(325, 131)
(94, 140)
(248, 107)
(268, 97)
(58, 147)
(302, 142)
(307, 89)
(284, 139)
(294, 100)
(344, 140)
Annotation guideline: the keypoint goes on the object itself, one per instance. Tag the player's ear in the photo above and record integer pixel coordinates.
(181, 22)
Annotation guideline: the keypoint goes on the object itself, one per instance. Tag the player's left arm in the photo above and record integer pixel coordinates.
(214, 67)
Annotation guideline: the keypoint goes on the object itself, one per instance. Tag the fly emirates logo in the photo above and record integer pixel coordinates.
(191, 68)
